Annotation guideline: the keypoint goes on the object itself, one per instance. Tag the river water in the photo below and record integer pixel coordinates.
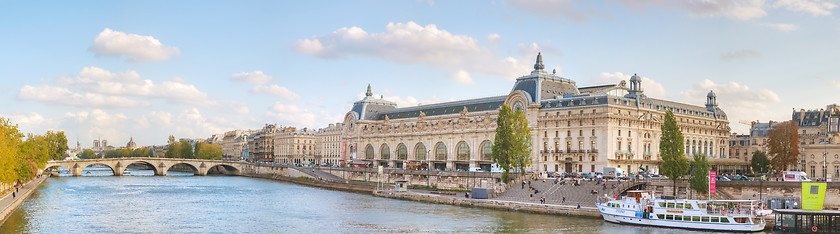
(181, 203)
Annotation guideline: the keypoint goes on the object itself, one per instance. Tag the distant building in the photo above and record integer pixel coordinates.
(328, 144)
(234, 144)
(131, 144)
(294, 146)
(819, 133)
(261, 144)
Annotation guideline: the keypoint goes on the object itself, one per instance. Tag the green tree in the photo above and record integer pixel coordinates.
(672, 150)
(186, 150)
(759, 162)
(173, 149)
(783, 145)
(700, 174)
(512, 144)
(87, 154)
(209, 151)
(57, 143)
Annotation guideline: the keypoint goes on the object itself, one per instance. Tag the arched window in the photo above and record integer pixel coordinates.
(369, 152)
(402, 152)
(486, 150)
(385, 152)
(440, 151)
(463, 151)
(420, 152)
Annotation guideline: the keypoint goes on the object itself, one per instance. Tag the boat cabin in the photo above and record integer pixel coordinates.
(812, 221)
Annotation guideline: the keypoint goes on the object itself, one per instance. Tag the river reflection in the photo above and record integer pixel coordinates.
(222, 204)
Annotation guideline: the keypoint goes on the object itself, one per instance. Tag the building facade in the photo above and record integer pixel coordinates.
(328, 144)
(819, 132)
(234, 144)
(261, 144)
(293, 146)
(574, 129)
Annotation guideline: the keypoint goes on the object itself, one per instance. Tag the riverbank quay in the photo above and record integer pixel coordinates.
(9, 203)
(536, 208)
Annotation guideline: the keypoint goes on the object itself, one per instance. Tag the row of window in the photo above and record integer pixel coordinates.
(706, 219)
(462, 151)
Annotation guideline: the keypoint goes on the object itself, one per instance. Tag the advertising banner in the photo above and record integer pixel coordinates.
(813, 195)
(712, 177)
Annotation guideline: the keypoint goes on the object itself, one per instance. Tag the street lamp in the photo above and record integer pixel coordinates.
(428, 169)
(825, 153)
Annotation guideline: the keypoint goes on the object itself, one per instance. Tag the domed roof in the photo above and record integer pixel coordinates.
(635, 78)
(711, 94)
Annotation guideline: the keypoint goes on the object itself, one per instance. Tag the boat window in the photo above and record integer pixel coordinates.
(740, 220)
(704, 219)
(677, 217)
(724, 220)
(688, 206)
(670, 205)
(715, 219)
(701, 205)
(660, 216)
(686, 218)
(669, 217)
(695, 218)
(679, 205)
(661, 204)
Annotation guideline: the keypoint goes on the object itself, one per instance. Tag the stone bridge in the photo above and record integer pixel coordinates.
(159, 165)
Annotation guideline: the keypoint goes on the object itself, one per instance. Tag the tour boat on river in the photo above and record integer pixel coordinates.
(642, 208)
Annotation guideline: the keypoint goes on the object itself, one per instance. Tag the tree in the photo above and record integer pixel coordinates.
(87, 154)
(57, 143)
(186, 150)
(759, 162)
(700, 174)
(173, 149)
(672, 150)
(784, 145)
(512, 143)
(10, 140)
(209, 151)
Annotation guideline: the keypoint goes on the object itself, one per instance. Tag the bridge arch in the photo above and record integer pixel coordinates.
(195, 168)
(82, 166)
(223, 168)
(155, 168)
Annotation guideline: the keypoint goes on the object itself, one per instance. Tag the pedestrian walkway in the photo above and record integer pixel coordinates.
(554, 193)
(8, 204)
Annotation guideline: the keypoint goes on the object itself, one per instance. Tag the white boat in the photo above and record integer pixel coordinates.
(642, 208)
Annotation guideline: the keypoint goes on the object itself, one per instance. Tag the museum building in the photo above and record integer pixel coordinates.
(574, 129)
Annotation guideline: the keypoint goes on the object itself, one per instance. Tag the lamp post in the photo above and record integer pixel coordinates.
(825, 153)
(428, 168)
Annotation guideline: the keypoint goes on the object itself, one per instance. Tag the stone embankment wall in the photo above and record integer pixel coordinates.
(746, 190)
(493, 204)
(9, 204)
(438, 179)
(293, 175)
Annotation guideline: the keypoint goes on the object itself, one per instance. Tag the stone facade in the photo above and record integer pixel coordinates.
(261, 144)
(293, 146)
(819, 140)
(234, 143)
(574, 129)
(328, 144)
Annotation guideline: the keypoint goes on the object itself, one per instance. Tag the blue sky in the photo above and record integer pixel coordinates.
(148, 69)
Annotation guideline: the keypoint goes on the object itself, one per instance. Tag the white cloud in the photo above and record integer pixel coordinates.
(738, 101)
(32, 122)
(129, 83)
(276, 90)
(410, 43)
(255, 77)
(291, 114)
(835, 83)
(555, 9)
(155, 119)
(135, 47)
(650, 86)
(741, 54)
(192, 123)
(782, 27)
(462, 77)
(62, 96)
(742, 10)
(99, 124)
(815, 7)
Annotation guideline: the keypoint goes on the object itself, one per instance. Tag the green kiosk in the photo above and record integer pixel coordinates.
(811, 218)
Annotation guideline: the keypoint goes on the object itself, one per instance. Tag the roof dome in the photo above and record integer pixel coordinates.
(635, 78)
(711, 94)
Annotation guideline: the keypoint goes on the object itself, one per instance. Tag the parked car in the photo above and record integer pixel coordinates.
(722, 178)
(740, 178)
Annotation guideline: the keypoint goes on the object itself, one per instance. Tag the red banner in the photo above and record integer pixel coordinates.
(712, 177)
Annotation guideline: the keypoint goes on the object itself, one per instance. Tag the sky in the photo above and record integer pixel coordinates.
(149, 69)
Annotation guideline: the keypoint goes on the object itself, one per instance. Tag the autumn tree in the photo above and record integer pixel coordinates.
(759, 162)
(784, 145)
(512, 144)
(672, 150)
(186, 150)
